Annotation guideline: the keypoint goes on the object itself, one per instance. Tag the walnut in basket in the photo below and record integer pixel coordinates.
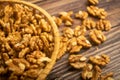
(26, 41)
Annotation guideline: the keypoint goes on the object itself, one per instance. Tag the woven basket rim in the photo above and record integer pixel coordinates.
(49, 66)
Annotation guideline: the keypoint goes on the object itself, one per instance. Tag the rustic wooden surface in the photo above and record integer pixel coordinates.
(62, 70)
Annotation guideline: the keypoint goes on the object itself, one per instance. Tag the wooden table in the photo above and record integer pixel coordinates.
(62, 70)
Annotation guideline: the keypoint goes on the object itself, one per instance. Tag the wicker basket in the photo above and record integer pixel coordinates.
(49, 66)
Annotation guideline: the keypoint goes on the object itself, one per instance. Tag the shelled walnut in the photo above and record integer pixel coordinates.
(26, 42)
(68, 32)
(96, 72)
(72, 42)
(66, 17)
(79, 30)
(89, 23)
(97, 12)
(94, 2)
(103, 25)
(101, 60)
(57, 20)
(82, 40)
(91, 72)
(87, 72)
(77, 61)
(81, 15)
(108, 76)
(97, 36)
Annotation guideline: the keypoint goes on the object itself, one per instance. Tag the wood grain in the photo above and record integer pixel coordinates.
(62, 70)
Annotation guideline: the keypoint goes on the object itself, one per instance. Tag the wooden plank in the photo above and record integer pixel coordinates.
(62, 70)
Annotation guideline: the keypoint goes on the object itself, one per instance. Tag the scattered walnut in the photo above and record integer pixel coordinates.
(68, 32)
(77, 61)
(79, 30)
(97, 72)
(100, 60)
(89, 23)
(57, 20)
(82, 40)
(97, 36)
(87, 72)
(94, 2)
(72, 42)
(81, 15)
(75, 49)
(66, 17)
(103, 25)
(98, 12)
(68, 23)
(107, 76)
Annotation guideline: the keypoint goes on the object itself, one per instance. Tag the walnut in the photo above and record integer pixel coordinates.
(75, 49)
(22, 61)
(57, 20)
(23, 52)
(101, 60)
(72, 42)
(91, 72)
(77, 61)
(33, 43)
(45, 26)
(16, 68)
(79, 30)
(81, 15)
(33, 73)
(82, 40)
(68, 32)
(97, 12)
(107, 76)
(89, 23)
(8, 11)
(97, 36)
(96, 73)
(5, 56)
(63, 39)
(103, 25)
(14, 37)
(3, 70)
(87, 72)
(94, 2)
(66, 17)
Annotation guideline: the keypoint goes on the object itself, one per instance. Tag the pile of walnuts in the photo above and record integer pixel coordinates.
(91, 67)
(26, 42)
(82, 36)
